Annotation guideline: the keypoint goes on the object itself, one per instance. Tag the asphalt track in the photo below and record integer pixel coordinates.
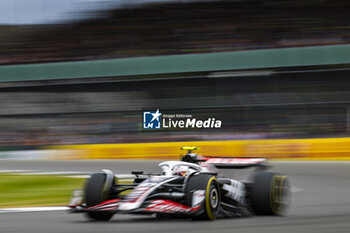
(321, 203)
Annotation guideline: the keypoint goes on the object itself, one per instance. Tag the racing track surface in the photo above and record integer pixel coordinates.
(321, 203)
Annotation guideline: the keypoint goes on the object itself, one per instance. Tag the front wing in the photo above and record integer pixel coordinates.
(154, 206)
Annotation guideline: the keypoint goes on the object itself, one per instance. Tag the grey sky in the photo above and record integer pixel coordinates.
(43, 11)
(51, 11)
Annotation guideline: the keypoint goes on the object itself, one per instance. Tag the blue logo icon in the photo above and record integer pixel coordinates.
(151, 120)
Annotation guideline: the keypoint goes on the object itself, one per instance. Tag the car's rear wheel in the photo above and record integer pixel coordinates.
(270, 193)
(95, 194)
(211, 203)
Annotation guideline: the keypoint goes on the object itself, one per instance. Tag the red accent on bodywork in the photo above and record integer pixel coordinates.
(107, 204)
(237, 161)
(166, 206)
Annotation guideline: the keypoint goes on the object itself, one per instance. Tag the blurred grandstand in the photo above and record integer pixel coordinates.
(178, 28)
(297, 102)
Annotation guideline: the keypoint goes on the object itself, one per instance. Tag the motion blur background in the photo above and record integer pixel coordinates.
(279, 70)
(75, 76)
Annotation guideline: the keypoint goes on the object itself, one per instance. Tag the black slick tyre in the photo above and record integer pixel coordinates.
(270, 193)
(95, 194)
(212, 198)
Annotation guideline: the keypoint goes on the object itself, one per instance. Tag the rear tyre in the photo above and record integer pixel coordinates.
(270, 194)
(95, 194)
(212, 197)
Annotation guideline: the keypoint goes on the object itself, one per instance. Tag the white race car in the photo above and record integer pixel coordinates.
(192, 187)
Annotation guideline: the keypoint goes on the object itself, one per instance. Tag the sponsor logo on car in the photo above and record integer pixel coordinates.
(166, 206)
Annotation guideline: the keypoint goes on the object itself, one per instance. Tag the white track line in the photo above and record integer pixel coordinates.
(13, 171)
(53, 173)
(72, 174)
(32, 209)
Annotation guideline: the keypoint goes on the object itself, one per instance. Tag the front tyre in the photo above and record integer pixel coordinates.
(95, 194)
(212, 198)
(270, 194)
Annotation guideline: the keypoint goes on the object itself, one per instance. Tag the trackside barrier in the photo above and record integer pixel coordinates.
(291, 149)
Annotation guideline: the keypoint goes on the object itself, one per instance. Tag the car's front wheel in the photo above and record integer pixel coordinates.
(212, 198)
(95, 194)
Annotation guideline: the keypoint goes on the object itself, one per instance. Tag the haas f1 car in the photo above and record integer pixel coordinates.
(192, 187)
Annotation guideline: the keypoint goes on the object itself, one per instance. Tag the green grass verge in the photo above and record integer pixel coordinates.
(36, 190)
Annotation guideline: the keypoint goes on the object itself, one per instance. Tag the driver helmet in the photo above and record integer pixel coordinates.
(182, 171)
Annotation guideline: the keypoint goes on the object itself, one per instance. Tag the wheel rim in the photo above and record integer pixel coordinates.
(214, 198)
(285, 196)
(281, 196)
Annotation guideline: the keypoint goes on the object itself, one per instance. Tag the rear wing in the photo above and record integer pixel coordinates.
(235, 162)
